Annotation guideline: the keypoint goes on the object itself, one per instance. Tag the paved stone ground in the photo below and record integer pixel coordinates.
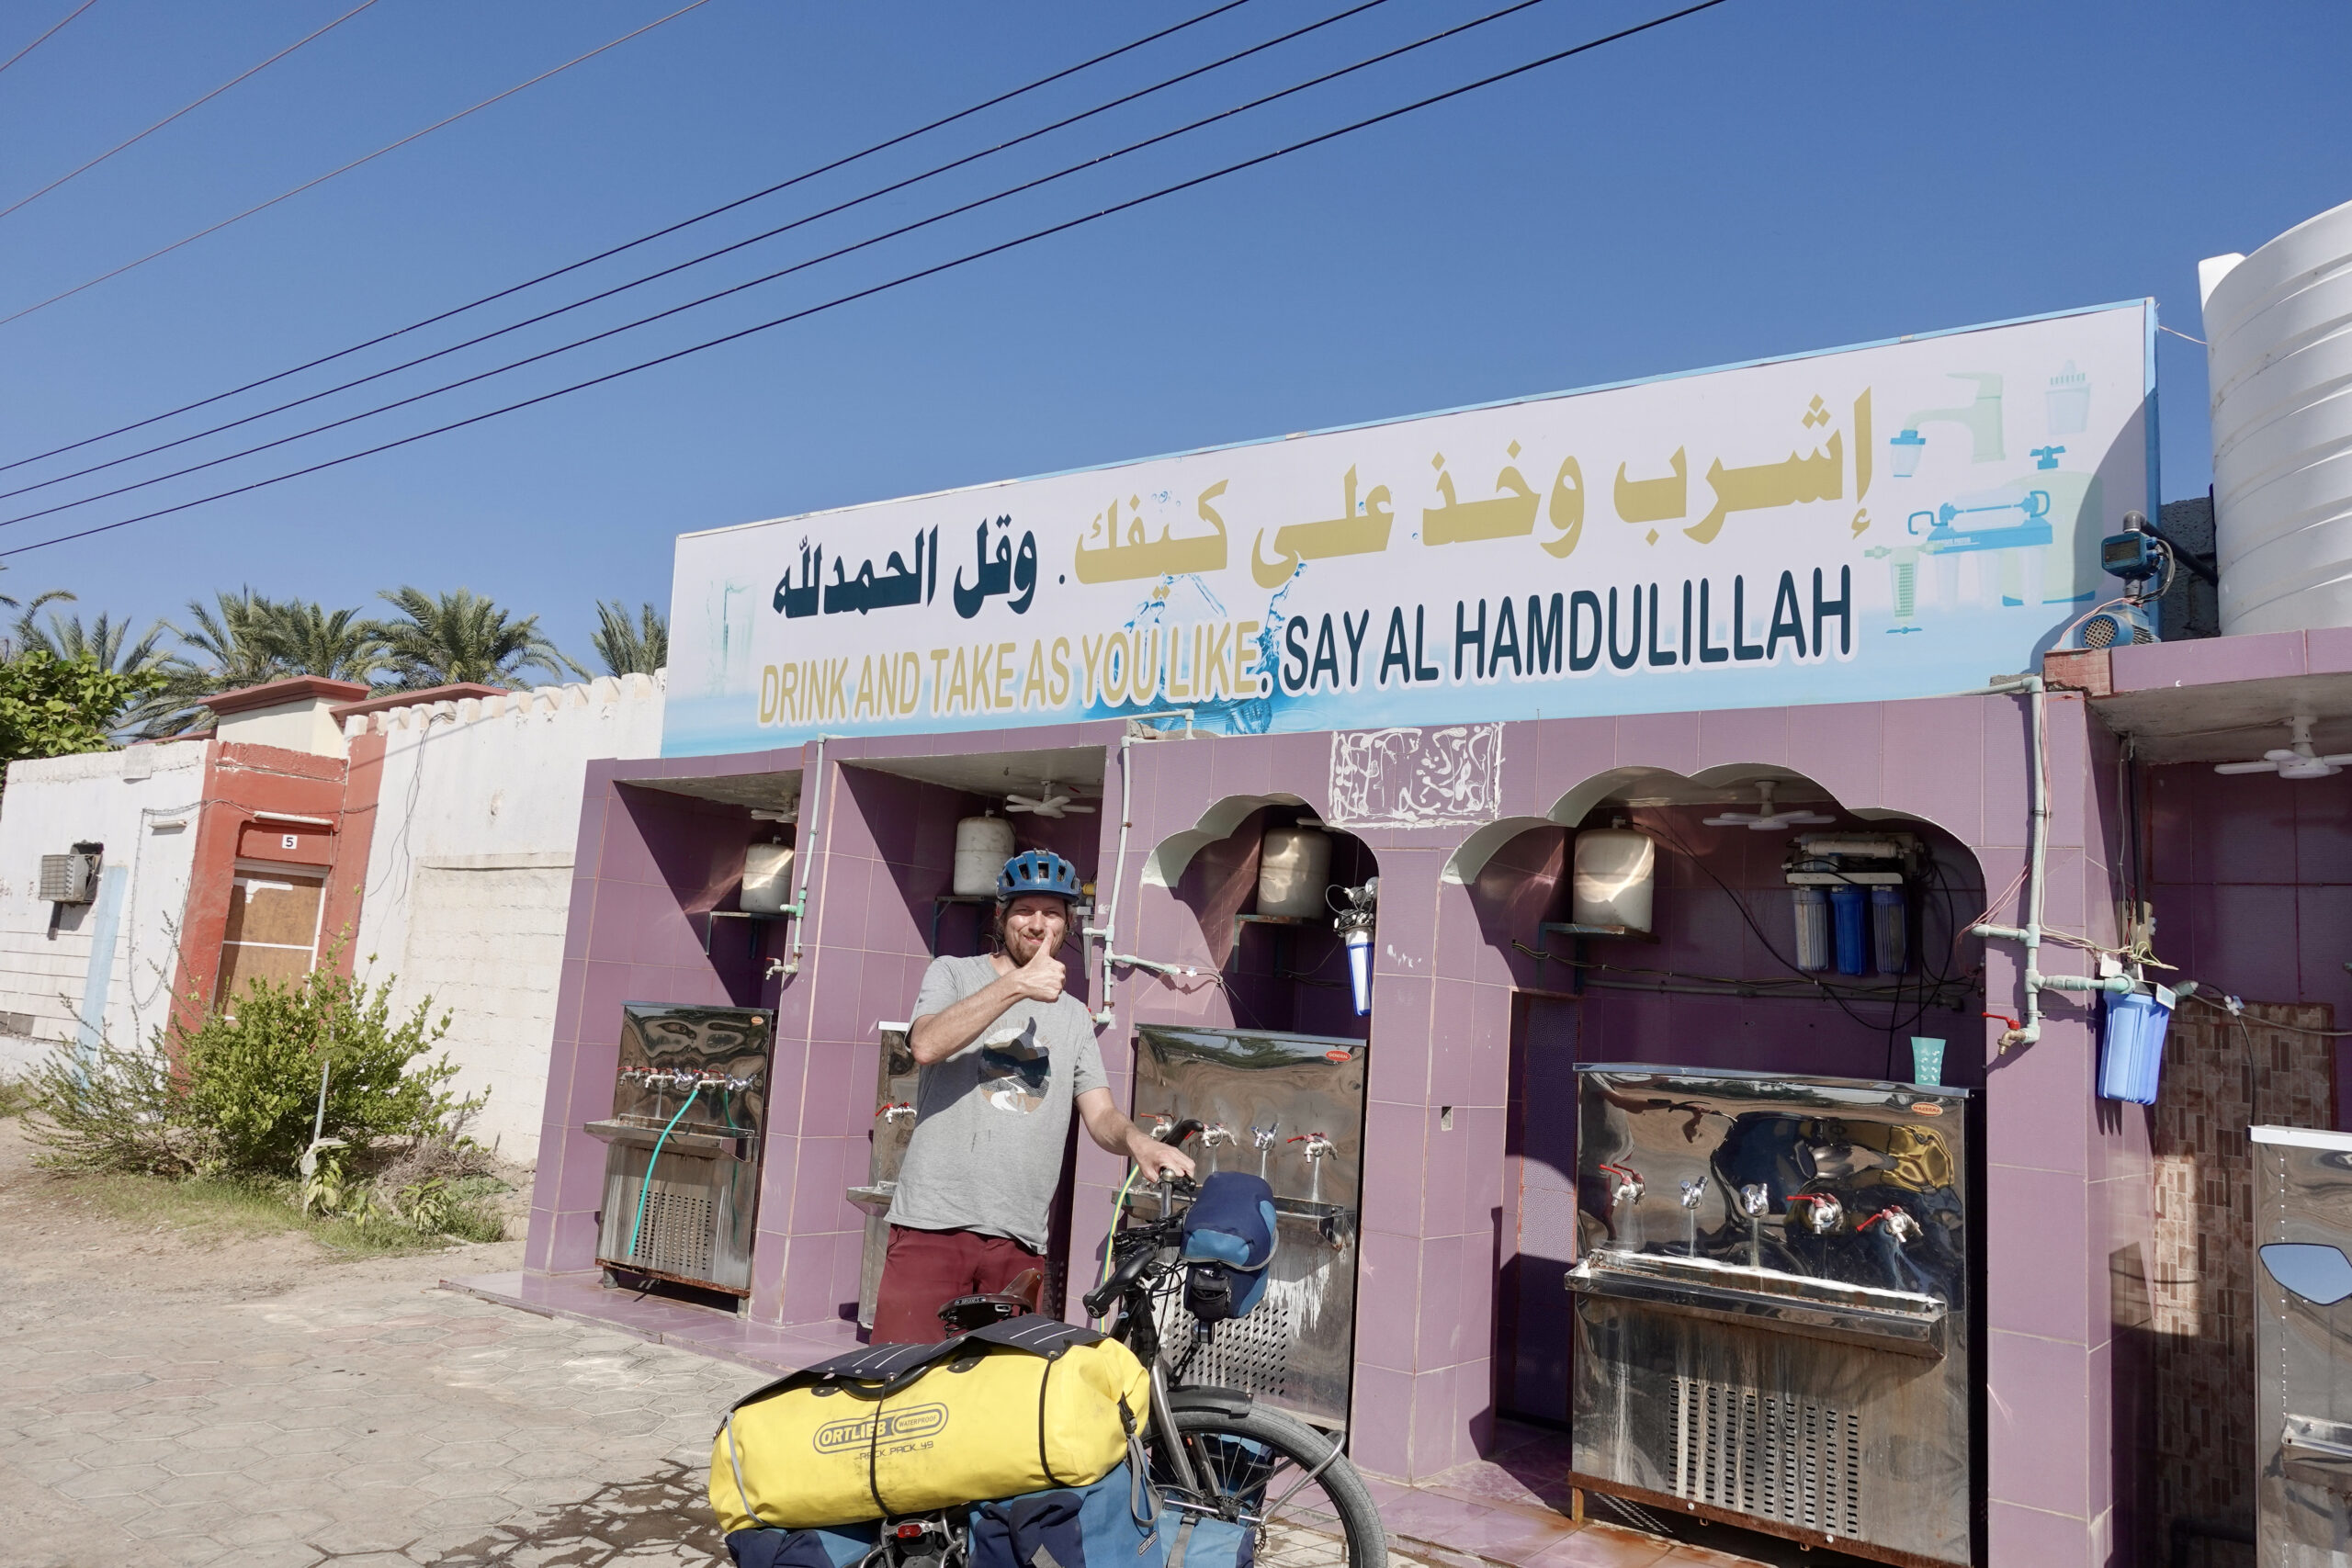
(363, 1419)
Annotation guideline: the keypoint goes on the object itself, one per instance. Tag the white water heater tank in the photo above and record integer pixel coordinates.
(2278, 336)
(767, 879)
(1616, 872)
(1293, 870)
(982, 846)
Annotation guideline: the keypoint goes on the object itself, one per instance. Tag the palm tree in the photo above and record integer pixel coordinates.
(226, 649)
(306, 639)
(631, 649)
(23, 621)
(105, 642)
(464, 636)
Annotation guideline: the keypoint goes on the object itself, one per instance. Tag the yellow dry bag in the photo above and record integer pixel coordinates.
(1017, 1406)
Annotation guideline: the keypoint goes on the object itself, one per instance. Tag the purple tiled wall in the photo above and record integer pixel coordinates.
(2251, 882)
(1447, 1207)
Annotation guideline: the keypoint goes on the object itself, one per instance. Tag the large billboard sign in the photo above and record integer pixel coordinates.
(1892, 521)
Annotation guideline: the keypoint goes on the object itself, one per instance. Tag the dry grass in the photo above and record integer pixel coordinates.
(213, 1212)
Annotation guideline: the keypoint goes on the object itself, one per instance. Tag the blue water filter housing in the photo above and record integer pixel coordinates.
(2131, 1045)
(1850, 917)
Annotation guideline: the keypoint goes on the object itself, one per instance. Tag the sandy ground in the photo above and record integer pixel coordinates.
(261, 1400)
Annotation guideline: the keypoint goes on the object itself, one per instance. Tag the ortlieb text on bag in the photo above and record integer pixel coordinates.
(1019, 1406)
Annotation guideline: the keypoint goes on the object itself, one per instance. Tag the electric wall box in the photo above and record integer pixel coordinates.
(70, 878)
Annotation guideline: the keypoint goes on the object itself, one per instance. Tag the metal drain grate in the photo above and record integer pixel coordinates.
(1778, 1459)
(675, 1238)
(1251, 1353)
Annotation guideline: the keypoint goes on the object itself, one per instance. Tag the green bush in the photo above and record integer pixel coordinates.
(236, 1095)
(251, 1082)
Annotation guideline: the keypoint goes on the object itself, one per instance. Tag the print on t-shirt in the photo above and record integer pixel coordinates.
(1015, 1069)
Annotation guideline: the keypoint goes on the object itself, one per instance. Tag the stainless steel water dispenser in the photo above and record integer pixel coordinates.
(1290, 1107)
(895, 1075)
(1772, 1305)
(2302, 1239)
(682, 1173)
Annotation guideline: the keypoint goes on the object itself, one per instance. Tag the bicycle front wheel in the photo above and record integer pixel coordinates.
(1306, 1504)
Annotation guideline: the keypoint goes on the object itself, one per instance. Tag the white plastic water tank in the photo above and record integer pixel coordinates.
(1293, 870)
(1616, 872)
(767, 879)
(2278, 336)
(982, 846)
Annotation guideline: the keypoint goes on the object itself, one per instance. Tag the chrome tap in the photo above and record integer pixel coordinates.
(1901, 1228)
(1691, 1192)
(1216, 1135)
(1161, 1123)
(1823, 1213)
(1754, 1200)
(1262, 1139)
(1628, 1185)
(895, 1113)
(1317, 1146)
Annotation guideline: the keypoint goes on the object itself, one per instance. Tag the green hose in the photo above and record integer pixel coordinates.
(645, 1188)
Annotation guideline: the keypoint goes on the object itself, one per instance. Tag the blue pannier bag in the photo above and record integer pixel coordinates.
(1228, 1240)
(1114, 1523)
(838, 1545)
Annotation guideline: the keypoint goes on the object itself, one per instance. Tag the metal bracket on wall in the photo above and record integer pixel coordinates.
(1234, 951)
(713, 917)
(938, 906)
(1578, 935)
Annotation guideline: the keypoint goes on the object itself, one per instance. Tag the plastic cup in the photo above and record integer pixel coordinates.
(1926, 1062)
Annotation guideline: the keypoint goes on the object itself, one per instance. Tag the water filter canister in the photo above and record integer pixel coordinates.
(1850, 922)
(1810, 906)
(1358, 943)
(1890, 930)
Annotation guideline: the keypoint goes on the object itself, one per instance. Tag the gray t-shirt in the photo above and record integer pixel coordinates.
(991, 1120)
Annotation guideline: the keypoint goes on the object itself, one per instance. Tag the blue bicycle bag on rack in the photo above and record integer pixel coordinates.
(1228, 1240)
(1114, 1523)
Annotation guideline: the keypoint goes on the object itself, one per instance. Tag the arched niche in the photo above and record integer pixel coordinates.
(1288, 977)
(1716, 984)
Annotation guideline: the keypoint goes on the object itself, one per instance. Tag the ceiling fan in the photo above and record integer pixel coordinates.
(1768, 820)
(2298, 760)
(1046, 802)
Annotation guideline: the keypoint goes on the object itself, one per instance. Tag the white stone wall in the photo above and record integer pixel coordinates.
(470, 871)
(76, 971)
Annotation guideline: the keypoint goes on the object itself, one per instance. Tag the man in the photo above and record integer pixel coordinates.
(1005, 1056)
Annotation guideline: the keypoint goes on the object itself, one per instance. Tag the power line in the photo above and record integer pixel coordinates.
(1081, 166)
(904, 278)
(833, 211)
(175, 114)
(642, 239)
(331, 174)
(44, 38)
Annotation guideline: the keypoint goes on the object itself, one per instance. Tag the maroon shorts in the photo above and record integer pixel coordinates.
(926, 1269)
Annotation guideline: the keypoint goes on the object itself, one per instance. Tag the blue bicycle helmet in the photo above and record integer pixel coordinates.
(1037, 870)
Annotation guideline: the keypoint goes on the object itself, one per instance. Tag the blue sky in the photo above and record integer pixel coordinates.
(1762, 178)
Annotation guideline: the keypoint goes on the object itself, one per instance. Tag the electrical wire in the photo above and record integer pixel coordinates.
(44, 38)
(332, 173)
(766, 279)
(663, 232)
(666, 272)
(199, 103)
(871, 290)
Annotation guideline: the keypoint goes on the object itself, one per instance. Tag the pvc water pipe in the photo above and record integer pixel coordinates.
(1102, 932)
(805, 842)
(2037, 856)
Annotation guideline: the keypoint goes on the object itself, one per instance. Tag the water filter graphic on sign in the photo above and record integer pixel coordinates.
(1886, 522)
